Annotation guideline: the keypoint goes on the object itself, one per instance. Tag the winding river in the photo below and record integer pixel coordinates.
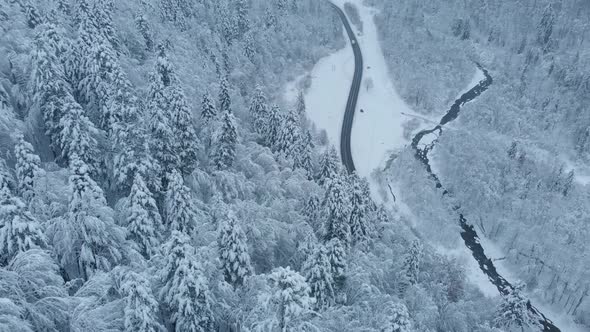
(468, 233)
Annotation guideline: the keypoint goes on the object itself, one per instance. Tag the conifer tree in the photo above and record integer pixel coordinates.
(312, 211)
(360, 210)
(398, 318)
(329, 166)
(259, 111)
(27, 168)
(412, 262)
(225, 152)
(143, 219)
(300, 109)
(76, 134)
(318, 274)
(337, 206)
(184, 132)
(289, 135)
(291, 296)
(233, 251)
(242, 16)
(272, 127)
(144, 29)
(208, 110)
(337, 255)
(303, 154)
(180, 211)
(86, 239)
(19, 230)
(514, 311)
(224, 98)
(141, 307)
(185, 292)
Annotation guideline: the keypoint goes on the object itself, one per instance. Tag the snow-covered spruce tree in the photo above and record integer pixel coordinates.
(360, 210)
(300, 109)
(141, 307)
(289, 135)
(86, 239)
(242, 7)
(186, 291)
(143, 26)
(19, 230)
(329, 166)
(180, 211)
(27, 168)
(233, 251)
(224, 98)
(513, 311)
(143, 219)
(318, 274)
(412, 260)
(225, 150)
(179, 12)
(76, 134)
(398, 318)
(337, 256)
(303, 154)
(259, 111)
(272, 126)
(312, 212)
(290, 298)
(208, 110)
(337, 207)
(184, 133)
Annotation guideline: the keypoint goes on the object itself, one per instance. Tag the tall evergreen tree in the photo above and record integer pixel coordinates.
(208, 110)
(300, 109)
(259, 111)
(291, 296)
(336, 252)
(233, 251)
(19, 230)
(76, 135)
(27, 168)
(184, 132)
(289, 135)
(224, 98)
(185, 292)
(514, 311)
(318, 274)
(143, 219)
(337, 206)
(272, 126)
(242, 16)
(86, 239)
(227, 140)
(360, 210)
(180, 210)
(303, 154)
(141, 307)
(329, 166)
(398, 318)
(412, 262)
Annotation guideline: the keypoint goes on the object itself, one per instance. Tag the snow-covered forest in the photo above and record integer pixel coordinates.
(154, 178)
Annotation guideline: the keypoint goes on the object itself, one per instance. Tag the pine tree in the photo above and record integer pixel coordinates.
(272, 126)
(514, 311)
(398, 318)
(412, 262)
(242, 16)
(289, 135)
(76, 135)
(180, 211)
(259, 111)
(545, 28)
(141, 307)
(143, 219)
(185, 292)
(233, 251)
(303, 154)
(208, 110)
(19, 230)
(337, 256)
(312, 211)
(27, 168)
(224, 98)
(318, 274)
(225, 152)
(337, 206)
(144, 29)
(360, 210)
(291, 296)
(86, 240)
(184, 132)
(329, 166)
(301, 109)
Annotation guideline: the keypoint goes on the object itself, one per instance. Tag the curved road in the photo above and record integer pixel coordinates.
(345, 149)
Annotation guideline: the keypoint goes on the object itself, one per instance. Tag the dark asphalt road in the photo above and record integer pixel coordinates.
(345, 149)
